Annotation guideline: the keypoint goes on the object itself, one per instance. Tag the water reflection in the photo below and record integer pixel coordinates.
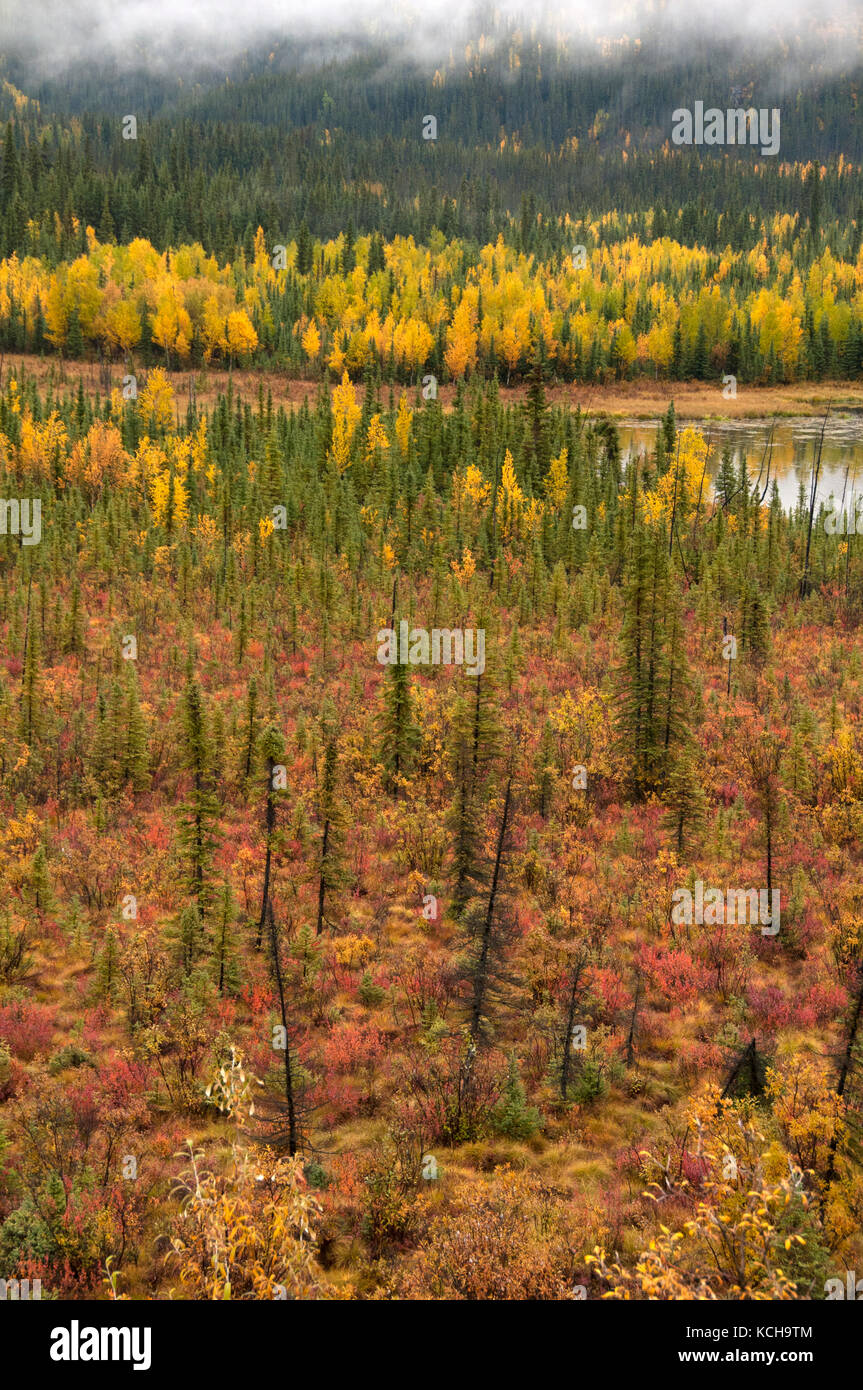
(793, 451)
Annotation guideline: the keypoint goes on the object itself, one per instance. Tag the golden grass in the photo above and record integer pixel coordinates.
(642, 399)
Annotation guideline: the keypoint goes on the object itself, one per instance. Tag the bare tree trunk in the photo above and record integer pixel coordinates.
(481, 979)
(630, 1041)
(845, 1069)
(270, 822)
(804, 581)
(570, 1024)
(293, 1136)
(322, 886)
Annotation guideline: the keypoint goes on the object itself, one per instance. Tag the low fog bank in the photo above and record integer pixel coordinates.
(50, 35)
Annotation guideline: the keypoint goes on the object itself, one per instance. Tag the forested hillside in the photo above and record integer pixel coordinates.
(551, 216)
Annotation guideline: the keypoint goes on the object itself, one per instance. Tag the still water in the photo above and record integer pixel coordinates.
(791, 456)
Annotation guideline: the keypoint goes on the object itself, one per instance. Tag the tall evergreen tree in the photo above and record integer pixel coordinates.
(651, 680)
(272, 750)
(226, 948)
(330, 875)
(399, 734)
(199, 815)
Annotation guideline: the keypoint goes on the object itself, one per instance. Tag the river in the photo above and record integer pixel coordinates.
(795, 445)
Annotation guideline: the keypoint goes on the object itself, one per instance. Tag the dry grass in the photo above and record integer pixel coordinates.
(624, 400)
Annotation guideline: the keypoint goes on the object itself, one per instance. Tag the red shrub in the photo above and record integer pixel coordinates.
(353, 1046)
(694, 1168)
(675, 973)
(26, 1028)
(611, 990)
(15, 1082)
(770, 1007)
(828, 1001)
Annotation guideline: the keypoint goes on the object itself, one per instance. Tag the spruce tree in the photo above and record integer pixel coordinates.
(39, 883)
(73, 636)
(31, 687)
(282, 1116)
(474, 746)
(225, 954)
(271, 751)
(251, 730)
(135, 764)
(546, 771)
(487, 933)
(464, 816)
(187, 939)
(640, 683)
(512, 1116)
(329, 870)
(686, 800)
(399, 734)
(107, 968)
(199, 815)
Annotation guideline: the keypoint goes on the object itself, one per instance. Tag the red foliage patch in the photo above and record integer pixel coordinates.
(26, 1028)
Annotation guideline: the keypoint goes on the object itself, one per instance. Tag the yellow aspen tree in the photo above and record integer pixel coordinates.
(157, 398)
(557, 479)
(346, 417)
(404, 416)
(460, 354)
(123, 326)
(242, 338)
(311, 341)
(376, 437)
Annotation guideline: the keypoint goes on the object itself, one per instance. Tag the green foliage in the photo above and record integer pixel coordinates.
(399, 736)
(512, 1116)
(590, 1083)
(72, 1055)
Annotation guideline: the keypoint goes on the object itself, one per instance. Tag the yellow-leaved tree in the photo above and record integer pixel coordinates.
(557, 479)
(681, 488)
(242, 338)
(404, 416)
(250, 1233)
(346, 417)
(460, 355)
(156, 401)
(311, 341)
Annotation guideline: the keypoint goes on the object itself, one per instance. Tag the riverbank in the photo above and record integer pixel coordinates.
(627, 400)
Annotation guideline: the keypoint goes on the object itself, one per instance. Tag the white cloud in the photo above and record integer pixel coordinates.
(129, 29)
